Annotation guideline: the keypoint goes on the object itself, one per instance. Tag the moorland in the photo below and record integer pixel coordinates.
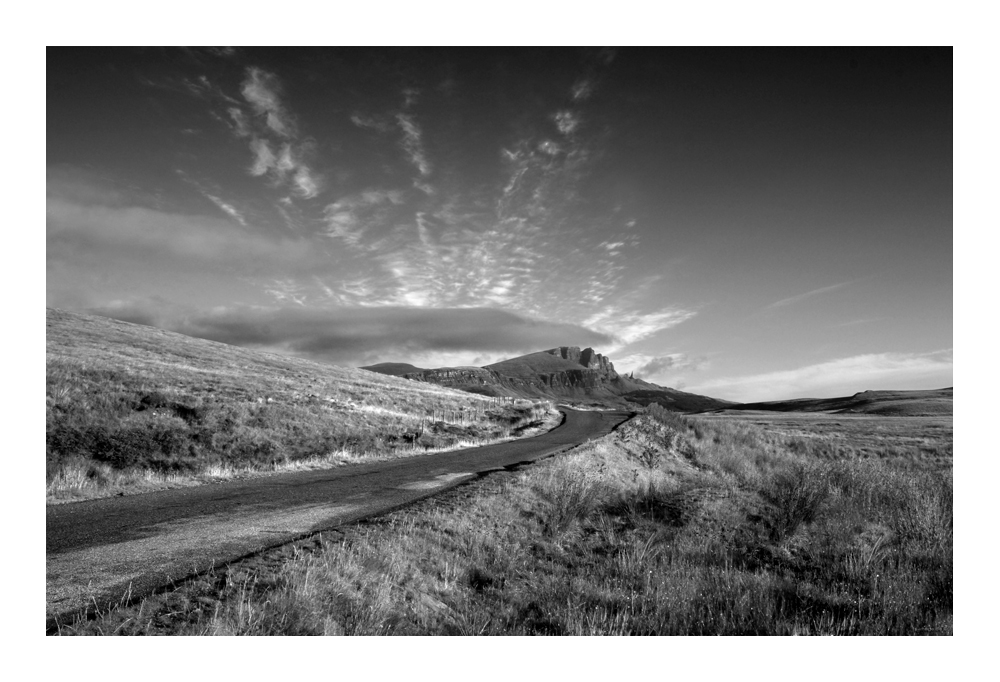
(672, 524)
(131, 408)
(818, 516)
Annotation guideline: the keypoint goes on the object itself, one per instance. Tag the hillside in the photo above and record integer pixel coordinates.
(887, 403)
(566, 373)
(128, 405)
(393, 369)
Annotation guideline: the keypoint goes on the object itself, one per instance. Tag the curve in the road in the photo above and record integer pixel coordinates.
(102, 551)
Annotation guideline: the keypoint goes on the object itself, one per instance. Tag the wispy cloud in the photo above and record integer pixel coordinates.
(241, 127)
(809, 294)
(413, 144)
(227, 208)
(381, 124)
(567, 122)
(531, 254)
(262, 90)
(351, 217)
(582, 90)
(629, 326)
(224, 206)
(834, 378)
(305, 184)
(277, 151)
(658, 365)
(287, 291)
(263, 158)
(410, 96)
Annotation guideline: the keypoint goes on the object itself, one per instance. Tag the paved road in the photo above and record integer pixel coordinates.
(103, 550)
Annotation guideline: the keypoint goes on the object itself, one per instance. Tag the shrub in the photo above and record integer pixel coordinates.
(569, 493)
(795, 495)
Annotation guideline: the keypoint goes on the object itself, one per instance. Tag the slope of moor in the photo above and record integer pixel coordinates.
(132, 406)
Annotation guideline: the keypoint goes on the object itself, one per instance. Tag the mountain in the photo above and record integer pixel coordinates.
(931, 403)
(564, 373)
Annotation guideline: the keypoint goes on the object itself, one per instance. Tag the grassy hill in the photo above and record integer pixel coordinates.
(932, 403)
(532, 364)
(646, 394)
(393, 369)
(129, 406)
(567, 374)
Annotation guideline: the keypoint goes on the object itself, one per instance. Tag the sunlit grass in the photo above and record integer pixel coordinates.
(724, 529)
(132, 408)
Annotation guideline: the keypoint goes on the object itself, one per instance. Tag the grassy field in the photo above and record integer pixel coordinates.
(784, 524)
(132, 408)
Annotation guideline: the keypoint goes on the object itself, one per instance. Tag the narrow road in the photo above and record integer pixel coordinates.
(103, 551)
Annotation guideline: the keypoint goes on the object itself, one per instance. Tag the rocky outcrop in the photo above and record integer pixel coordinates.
(588, 358)
(584, 373)
(563, 373)
(464, 378)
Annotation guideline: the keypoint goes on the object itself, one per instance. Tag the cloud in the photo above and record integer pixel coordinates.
(581, 90)
(351, 217)
(284, 166)
(661, 369)
(375, 123)
(353, 334)
(628, 327)
(305, 184)
(264, 158)
(839, 377)
(274, 141)
(241, 127)
(566, 121)
(83, 228)
(228, 208)
(656, 366)
(410, 95)
(549, 147)
(809, 294)
(413, 145)
(262, 90)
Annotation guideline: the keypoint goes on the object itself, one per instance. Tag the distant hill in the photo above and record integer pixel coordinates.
(564, 373)
(938, 402)
(393, 369)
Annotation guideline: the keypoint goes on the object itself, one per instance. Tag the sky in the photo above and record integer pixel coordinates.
(748, 224)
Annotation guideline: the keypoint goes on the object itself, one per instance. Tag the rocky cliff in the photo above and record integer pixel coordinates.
(587, 357)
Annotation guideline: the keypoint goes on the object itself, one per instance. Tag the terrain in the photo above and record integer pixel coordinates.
(812, 516)
(131, 408)
(887, 403)
(104, 551)
(566, 373)
(749, 523)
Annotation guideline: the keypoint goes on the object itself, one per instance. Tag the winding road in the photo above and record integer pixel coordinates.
(103, 551)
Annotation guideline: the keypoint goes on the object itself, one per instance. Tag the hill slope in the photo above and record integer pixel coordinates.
(563, 373)
(394, 369)
(887, 403)
(126, 400)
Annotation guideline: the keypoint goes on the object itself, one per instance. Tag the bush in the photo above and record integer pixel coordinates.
(795, 495)
(568, 493)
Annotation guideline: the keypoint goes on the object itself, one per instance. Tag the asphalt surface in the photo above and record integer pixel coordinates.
(103, 552)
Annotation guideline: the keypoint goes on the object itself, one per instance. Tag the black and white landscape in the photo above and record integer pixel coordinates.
(567, 341)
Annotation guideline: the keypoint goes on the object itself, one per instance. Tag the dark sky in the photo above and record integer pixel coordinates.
(746, 223)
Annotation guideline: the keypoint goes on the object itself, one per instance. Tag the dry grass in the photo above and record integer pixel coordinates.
(132, 408)
(670, 525)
